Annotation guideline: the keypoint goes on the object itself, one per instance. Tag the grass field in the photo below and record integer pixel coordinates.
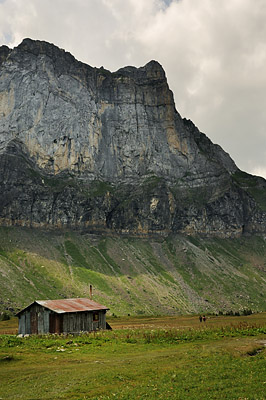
(142, 358)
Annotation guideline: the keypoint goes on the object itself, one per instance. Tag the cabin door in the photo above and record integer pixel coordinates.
(33, 322)
(52, 323)
(55, 323)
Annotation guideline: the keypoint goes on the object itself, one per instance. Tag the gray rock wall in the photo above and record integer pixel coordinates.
(83, 147)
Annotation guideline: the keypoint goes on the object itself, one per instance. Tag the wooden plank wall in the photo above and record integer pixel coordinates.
(102, 319)
(25, 325)
(83, 322)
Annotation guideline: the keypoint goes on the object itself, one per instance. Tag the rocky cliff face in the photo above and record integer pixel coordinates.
(83, 147)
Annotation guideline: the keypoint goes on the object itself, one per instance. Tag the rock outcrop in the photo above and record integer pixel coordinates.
(85, 148)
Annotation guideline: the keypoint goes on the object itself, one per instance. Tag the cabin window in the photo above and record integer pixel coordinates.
(95, 316)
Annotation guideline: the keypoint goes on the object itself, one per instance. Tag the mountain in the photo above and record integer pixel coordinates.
(83, 148)
(126, 194)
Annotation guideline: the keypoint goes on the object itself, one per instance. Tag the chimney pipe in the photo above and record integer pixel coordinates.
(91, 292)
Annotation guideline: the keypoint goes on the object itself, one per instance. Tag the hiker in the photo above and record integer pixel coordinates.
(204, 318)
(200, 318)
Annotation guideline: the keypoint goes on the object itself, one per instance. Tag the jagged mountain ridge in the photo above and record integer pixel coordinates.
(85, 148)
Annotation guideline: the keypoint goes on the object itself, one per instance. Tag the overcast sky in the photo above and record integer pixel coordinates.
(213, 53)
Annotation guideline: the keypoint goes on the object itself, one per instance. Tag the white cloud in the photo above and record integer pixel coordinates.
(213, 52)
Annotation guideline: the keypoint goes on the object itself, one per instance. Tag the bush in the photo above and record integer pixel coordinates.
(229, 313)
(247, 312)
(5, 317)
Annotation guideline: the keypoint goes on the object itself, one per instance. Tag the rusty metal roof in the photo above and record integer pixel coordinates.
(69, 305)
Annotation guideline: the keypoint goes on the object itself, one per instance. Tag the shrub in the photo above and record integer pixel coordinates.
(229, 312)
(5, 316)
(247, 312)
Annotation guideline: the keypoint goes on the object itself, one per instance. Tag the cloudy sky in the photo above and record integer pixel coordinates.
(213, 52)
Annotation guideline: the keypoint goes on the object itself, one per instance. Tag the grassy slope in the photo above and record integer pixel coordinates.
(133, 275)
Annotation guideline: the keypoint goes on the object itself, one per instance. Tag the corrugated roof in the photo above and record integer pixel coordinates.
(70, 305)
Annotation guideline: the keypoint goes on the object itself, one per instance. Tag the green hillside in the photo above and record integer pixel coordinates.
(176, 275)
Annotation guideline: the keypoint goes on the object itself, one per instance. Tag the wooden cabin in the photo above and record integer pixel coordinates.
(62, 316)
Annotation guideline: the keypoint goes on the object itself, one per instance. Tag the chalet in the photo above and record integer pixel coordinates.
(62, 316)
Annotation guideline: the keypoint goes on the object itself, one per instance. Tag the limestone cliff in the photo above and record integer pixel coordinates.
(86, 148)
